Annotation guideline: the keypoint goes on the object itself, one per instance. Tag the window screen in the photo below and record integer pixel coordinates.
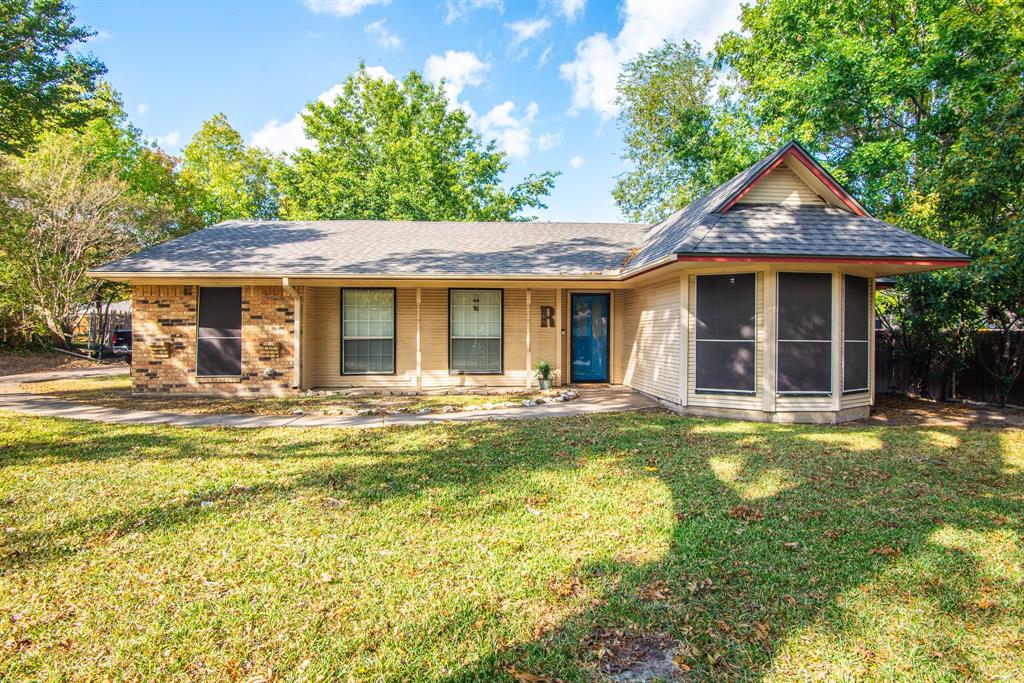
(367, 331)
(475, 329)
(856, 328)
(725, 333)
(805, 333)
(219, 338)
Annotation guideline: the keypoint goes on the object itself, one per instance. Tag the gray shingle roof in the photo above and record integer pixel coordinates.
(391, 247)
(767, 229)
(278, 248)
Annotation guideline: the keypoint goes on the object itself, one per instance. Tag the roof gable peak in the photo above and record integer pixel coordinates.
(812, 174)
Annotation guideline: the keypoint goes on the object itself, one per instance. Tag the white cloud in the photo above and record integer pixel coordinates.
(458, 70)
(570, 9)
(341, 8)
(543, 59)
(385, 38)
(527, 29)
(645, 24)
(460, 8)
(548, 141)
(142, 108)
(577, 161)
(511, 133)
(287, 137)
(100, 35)
(168, 139)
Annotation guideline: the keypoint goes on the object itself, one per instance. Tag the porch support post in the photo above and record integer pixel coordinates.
(684, 337)
(419, 347)
(529, 349)
(837, 341)
(558, 336)
(871, 337)
(297, 333)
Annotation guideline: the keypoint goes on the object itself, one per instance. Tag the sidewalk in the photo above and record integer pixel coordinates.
(591, 400)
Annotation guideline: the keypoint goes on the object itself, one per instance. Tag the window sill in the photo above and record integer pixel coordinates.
(229, 379)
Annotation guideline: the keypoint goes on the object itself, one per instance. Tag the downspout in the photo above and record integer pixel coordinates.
(297, 343)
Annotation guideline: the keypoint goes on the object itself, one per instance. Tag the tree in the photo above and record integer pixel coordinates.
(42, 84)
(62, 218)
(78, 199)
(228, 179)
(683, 134)
(386, 149)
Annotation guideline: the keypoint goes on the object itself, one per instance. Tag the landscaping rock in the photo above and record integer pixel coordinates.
(424, 411)
(529, 403)
(298, 412)
(447, 409)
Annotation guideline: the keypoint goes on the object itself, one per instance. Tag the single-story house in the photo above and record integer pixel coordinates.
(755, 301)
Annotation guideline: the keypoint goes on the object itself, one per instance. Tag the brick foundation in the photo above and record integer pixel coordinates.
(164, 342)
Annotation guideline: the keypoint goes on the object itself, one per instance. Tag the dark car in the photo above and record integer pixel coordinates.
(121, 343)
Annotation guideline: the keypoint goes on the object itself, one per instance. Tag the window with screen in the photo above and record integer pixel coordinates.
(804, 360)
(219, 337)
(726, 323)
(367, 331)
(856, 331)
(475, 331)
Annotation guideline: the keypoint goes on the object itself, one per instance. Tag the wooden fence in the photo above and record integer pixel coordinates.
(892, 374)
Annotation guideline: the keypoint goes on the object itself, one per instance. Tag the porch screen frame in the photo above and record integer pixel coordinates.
(780, 340)
(230, 335)
(751, 341)
(394, 332)
(867, 331)
(501, 332)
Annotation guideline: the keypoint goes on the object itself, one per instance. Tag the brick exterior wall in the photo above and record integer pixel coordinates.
(164, 342)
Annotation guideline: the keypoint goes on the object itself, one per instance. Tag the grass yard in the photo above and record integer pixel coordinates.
(116, 392)
(505, 550)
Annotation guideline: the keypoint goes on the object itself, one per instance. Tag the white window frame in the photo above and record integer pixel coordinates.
(500, 337)
(394, 329)
(697, 340)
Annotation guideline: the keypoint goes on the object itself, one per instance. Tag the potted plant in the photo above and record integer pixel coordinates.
(544, 372)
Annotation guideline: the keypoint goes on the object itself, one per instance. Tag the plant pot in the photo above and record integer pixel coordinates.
(545, 384)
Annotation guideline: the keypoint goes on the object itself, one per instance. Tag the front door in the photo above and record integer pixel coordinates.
(588, 343)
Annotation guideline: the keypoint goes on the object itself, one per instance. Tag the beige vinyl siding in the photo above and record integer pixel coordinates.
(322, 341)
(543, 340)
(742, 402)
(652, 329)
(781, 186)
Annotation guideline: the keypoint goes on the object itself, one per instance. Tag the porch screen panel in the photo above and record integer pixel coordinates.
(475, 331)
(805, 333)
(726, 322)
(219, 334)
(856, 331)
(367, 331)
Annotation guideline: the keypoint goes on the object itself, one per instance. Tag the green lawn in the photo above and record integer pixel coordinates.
(116, 392)
(474, 551)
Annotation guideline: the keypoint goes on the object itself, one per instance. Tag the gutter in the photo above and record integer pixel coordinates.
(297, 343)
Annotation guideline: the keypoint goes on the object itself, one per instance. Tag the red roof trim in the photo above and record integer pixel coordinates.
(941, 263)
(812, 166)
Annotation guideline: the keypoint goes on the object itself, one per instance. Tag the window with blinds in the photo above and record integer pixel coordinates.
(804, 360)
(219, 334)
(856, 333)
(475, 331)
(726, 323)
(367, 331)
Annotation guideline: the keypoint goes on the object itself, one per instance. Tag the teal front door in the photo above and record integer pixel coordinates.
(591, 314)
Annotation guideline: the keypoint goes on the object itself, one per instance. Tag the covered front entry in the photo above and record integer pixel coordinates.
(589, 347)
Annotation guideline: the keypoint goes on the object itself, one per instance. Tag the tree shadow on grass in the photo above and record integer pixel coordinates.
(763, 553)
(777, 533)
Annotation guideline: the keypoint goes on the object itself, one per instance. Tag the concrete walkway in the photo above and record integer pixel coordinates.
(13, 399)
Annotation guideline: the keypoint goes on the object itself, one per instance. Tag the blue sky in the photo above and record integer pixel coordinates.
(536, 76)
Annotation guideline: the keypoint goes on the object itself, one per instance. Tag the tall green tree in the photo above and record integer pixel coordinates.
(684, 132)
(388, 149)
(43, 85)
(229, 179)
